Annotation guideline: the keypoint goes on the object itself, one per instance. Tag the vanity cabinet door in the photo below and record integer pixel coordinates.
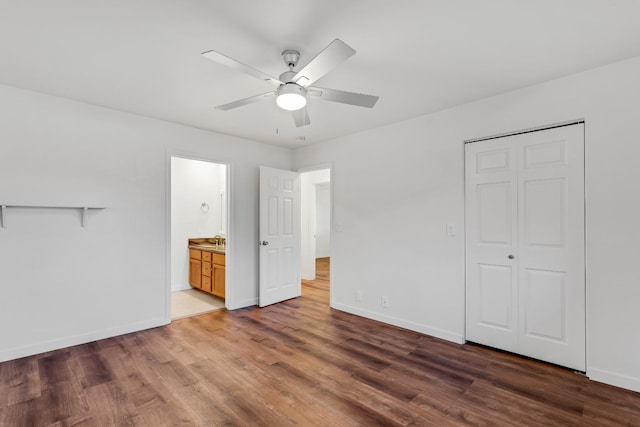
(219, 271)
(218, 280)
(195, 268)
(195, 273)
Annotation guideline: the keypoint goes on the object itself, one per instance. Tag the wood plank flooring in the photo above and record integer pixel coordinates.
(298, 363)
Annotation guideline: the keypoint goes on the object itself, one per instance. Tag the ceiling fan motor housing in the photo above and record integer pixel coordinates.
(287, 76)
(290, 57)
(292, 88)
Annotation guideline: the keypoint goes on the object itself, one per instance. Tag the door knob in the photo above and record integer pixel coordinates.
(511, 257)
(264, 243)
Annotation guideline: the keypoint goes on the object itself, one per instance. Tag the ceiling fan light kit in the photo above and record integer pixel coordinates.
(291, 97)
(293, 87)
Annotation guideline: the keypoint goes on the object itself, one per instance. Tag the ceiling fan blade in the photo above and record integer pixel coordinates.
(301, 117)
(325, 61)
(245, 101)
(352, 98)
(232, 63)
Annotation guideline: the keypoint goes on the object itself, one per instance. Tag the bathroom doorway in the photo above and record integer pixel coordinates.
(315, 254)
(199, 222)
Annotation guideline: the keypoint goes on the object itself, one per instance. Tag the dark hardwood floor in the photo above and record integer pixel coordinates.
(298, 363)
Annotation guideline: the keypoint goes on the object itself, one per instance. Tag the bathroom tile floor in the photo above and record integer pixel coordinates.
(191, 302)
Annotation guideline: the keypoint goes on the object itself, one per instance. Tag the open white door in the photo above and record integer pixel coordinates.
(279, 235)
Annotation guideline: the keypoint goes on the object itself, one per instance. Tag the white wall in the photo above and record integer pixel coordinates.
(193, 182)
(308, 181)
(323, 220)
(63, 284)
(394, 239)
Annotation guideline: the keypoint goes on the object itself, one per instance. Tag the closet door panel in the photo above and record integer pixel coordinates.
(551, 246)
(491, 229)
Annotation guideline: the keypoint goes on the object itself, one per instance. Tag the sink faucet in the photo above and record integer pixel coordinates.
(218, 240)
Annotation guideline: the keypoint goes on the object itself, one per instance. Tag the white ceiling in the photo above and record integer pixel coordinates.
(419, 56)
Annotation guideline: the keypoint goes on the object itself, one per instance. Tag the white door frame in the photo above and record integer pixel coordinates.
(323, 186)
(229, 288)
(586, 278)
(313, 168)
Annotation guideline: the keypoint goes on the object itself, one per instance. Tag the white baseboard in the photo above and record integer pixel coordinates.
(244, 304)
(613, 378)
(180, 287)
(406, 324)
(44, 346)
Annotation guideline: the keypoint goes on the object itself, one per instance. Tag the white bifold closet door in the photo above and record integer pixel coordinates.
(525, 263)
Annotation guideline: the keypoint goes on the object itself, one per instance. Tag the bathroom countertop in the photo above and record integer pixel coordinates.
(208, 247)
(204, 244)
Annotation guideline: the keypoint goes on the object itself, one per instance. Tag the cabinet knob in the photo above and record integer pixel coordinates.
(264, 243)
(511, 257)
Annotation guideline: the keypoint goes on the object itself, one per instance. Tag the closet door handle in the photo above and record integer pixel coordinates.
(511, 257)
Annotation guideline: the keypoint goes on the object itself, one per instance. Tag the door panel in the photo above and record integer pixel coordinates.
(287, 212)
(494, 213)
(495, 285)
(493, 161)
(273, 261)
(545, 154)
(279, 235)
(552, 248)
(491, 230)
(289, 276)
(272, 217)
(525, 199)
(544, 212)
(545, 311)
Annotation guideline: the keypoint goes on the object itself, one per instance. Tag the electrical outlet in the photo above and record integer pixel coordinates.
(451, 229)
(384, 302)
(358, 295)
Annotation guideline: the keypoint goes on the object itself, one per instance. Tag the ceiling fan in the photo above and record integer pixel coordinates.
(293, 87)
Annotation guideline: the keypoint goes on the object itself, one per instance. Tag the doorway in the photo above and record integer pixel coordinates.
(199, 217)
(316, 202)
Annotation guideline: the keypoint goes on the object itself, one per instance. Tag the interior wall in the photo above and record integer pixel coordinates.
(390, 228)
(193, 182)
(63, 284)
(323, 220)
(308, 181)
(222, 196)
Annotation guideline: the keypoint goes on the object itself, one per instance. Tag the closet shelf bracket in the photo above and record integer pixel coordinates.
(83, 209)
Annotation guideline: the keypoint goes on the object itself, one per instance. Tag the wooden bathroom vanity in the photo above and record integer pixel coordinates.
(207, 261)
